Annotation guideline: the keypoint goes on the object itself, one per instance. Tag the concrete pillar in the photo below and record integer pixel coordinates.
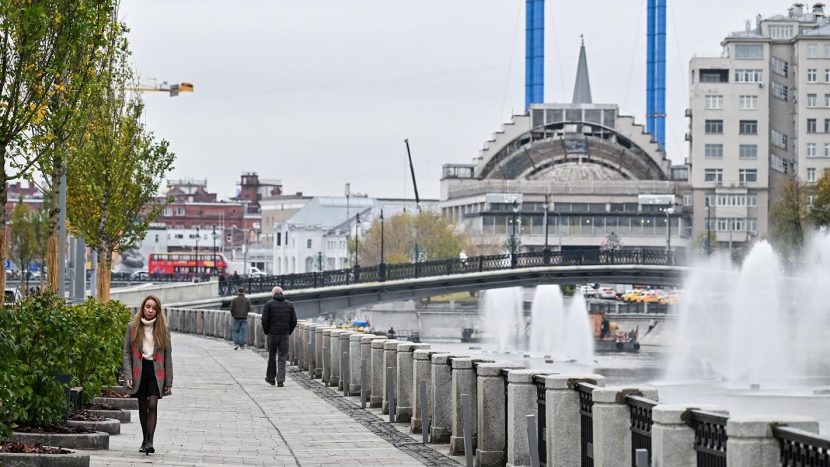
(366, 359)
(259, 335)
(345, 376)
(422, 371)
(562, 418)
(441, 423)
(298, 344)
(521, 402)
(751, 443)
(355, 363)
(251, 330)
(491, 414)
(228, 323)
(612, 424)
(404, 384)
(326, 343)
(390, 359)
(334, 357)
(318, 351)
(292, 346)
(311, 342)
(672, 439)
(378, 372)
(463, 382)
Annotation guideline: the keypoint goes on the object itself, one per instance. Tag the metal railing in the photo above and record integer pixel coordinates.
(710, 437)
(628, 307)
(801, 448)
(444, 267)
(541, 422)
(641, 422)
(586, 422)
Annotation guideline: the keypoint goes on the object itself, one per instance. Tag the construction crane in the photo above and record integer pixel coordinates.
(173, 89)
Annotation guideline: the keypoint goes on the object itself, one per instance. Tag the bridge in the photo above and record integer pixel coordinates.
(317, 293)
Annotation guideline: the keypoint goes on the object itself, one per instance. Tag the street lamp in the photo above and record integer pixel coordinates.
(382, 265)
(708, 228)
(356, 240)
(214, 248)
(546, 251)
(669, 212)
(197, 250)
(513, 234)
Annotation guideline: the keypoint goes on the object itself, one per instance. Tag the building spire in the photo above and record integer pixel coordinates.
(582, 87)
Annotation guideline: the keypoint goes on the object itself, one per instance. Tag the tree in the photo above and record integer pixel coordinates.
(43, 45)
(115, 175)
(435, 236)
(788, 217)
(820, 210)
(27, 242)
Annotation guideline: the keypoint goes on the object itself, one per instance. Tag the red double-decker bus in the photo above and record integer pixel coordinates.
(186, 263)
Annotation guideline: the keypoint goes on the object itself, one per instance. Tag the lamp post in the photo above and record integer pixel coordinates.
(197, 250)
(669, 212)
(513, 235)
(546, 251)
(708, 228)
(356, 240)
(214, 248)
(382, 265)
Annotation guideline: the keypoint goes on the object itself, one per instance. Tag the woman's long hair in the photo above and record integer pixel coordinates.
(161, 335)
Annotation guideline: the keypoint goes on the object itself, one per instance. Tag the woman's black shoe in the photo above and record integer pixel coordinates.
(143, 447)
(149, 445)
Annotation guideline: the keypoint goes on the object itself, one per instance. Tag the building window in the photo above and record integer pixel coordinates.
(168, 212)
(714, 101)
(826, 149)
(714, 127)
(747, 176)
(713, 176)
(812, 50)
(749, 51)
(308, 243)
(749, 75)
(714, 151)
(811, 174)
(779, 67)
(811, 149)
(748, 127)
(778, 139)
(748, 102)
(811, 75)
(811, 125)
(752, 200)
(179, 211)
(779, 90)
(812, 100)
(748, 151)
(279, 238)
(827, 75)
(714, 76)
(780, 31)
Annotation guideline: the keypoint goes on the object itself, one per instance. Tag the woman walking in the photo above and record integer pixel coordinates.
(148, 365)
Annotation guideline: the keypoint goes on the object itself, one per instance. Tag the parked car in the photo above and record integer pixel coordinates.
(632, 295)
(13, 295)
(140, 274)
(607, 293)
(255, 272)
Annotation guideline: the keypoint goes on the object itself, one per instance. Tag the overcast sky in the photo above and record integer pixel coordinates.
(317, 93)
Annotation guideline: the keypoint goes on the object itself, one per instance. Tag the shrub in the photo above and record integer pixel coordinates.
(99, 341)
(37, 337)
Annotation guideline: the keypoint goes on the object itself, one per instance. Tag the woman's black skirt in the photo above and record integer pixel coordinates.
(148, 386)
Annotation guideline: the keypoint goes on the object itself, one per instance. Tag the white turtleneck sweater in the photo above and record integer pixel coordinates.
(147, 345)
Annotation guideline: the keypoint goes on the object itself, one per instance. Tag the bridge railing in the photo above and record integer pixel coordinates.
(801, 448)
(443, 267)
(710, 437)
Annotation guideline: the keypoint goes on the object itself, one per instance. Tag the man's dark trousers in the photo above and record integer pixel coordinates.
(277, 344)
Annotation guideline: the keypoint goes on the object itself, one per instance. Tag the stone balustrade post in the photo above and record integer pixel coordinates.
(298, 344)
(318, 351)
(441, 423)
(251, 337)
(200, 322)
(463, 382)
(378, 372)
(334, 357)
(326, 343)
(491, 414)
(390, 359)
(422, 371)
(343, 355)
(259, 335)
(366, 359)
(404, 385)
(752, 444)
(562, 417)
(612, 424)
(311, 354)
(355, 363)
(521, 402)
(228, 324)
(292, 346)
(672, 439)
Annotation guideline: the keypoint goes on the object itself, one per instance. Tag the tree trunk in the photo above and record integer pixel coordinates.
(53, 263)
(104, 277)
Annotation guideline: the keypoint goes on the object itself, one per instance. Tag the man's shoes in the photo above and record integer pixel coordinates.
(270, 381)
(235, 347)
(279, 385)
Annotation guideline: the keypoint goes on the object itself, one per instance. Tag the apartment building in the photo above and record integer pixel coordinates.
(758, 113)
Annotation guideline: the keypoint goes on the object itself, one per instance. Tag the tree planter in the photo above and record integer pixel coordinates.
(73, 459)
(127, 403)
(110, 425)
(121, 415)
(87, 441)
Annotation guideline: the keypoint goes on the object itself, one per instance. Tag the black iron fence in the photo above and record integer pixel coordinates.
(710, 437)
(586, 422)
(628, 307)
(641, 422)
(801, 448)
(541, 422)
(443, 267)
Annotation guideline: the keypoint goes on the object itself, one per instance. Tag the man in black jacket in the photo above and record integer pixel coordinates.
(278, 322)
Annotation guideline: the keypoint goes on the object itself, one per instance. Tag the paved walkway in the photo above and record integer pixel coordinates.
(223, 413)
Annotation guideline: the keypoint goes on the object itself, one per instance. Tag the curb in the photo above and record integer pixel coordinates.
(74, 459)
(110, 425)
(91, 441)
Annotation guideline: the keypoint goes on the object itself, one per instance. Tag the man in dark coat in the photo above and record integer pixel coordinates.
(240, 307)
(278, 322)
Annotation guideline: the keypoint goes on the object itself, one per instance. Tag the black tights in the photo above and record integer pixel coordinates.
(148, 414)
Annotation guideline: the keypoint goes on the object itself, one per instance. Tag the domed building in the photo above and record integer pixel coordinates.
(582, 170)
